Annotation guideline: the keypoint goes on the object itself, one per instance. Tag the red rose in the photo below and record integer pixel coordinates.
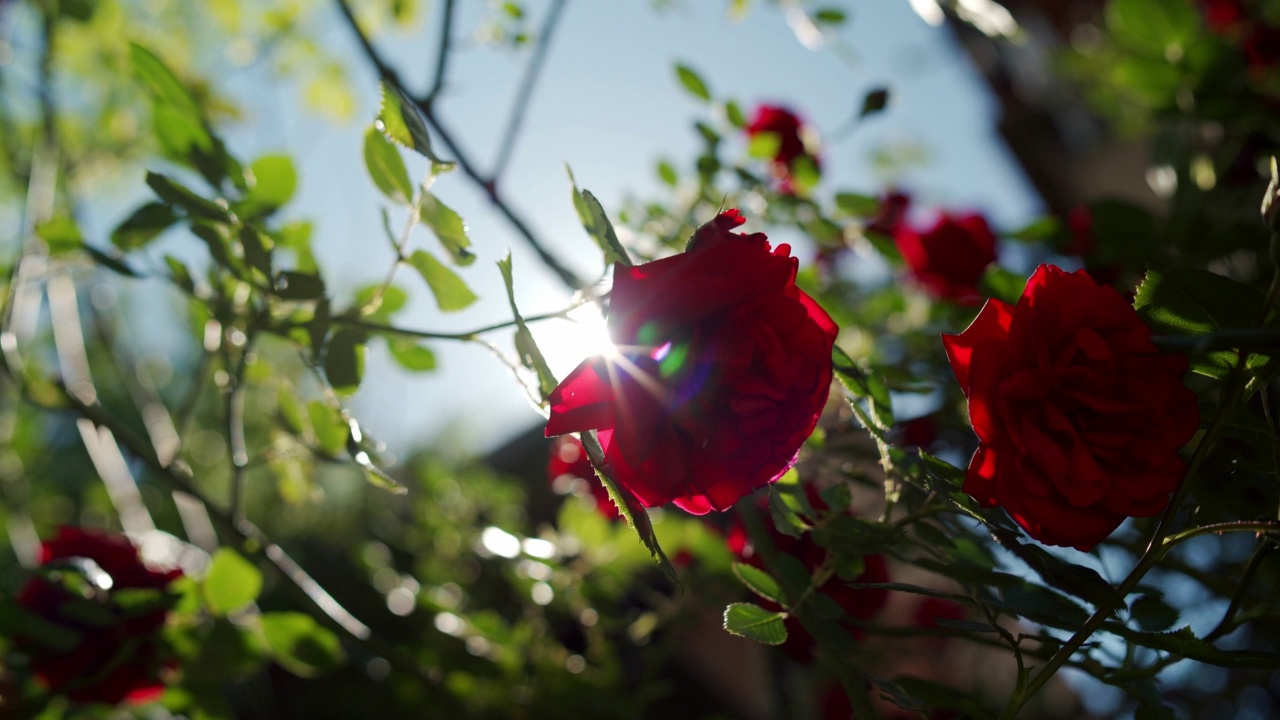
(1079, 417)
(723, 368)
(118, 657)
(1221, 15)
(950, 257)
(892, 214)
(790, 131)
(569, 458)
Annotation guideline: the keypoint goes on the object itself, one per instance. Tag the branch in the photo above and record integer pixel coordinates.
(525, 94)
(466, 336)
(442, 53)
(468, 166)
(180, 478)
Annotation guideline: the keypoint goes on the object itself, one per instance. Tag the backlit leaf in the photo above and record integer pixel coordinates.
(451, 293)
(752, 621)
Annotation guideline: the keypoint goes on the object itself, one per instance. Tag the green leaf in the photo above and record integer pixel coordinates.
(159, 81)
(857, 204)
(667, 173)
(855, 536)
(177, 119)
(1039, 230)
(257, 249)
(447, 226)
(1042, 605)
(232, 582)
(1002, 284)
(344, 360)
(61, 233)
(764, 145)
(784, 516)
(692, 82)
(410, 355)
(392, 300)
(116, 265)
(1154, 27)
(274, 183)
(330, 429)
(1195, 302)
(939, 696)
(293, 285)
(1184, 643)
(301, 645)
(179, 274)
(451, 293)
(597, 224)
(175, 193)
(830, 16)
(758, 581)
(1082, 582)
(402, 121)
(1153, 614)
(144, 225)
(754, 622)
(386, 167)
(530, 356)
(874, 102)
(733, 113)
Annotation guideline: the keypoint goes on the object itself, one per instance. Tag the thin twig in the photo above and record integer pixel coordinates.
(525, 93)
(467, 335)
(442, 53)
(468, 166)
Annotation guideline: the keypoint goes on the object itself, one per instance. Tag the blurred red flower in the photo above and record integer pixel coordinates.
(790, 131)
(118, 655)
(949, 258)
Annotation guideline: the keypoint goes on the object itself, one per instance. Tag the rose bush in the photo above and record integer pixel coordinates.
(723, 368)
(790, 132)
(857, 604)
(1079, 417)
(949, 257)
(117, 656)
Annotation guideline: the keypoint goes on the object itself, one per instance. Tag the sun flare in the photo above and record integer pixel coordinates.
(565, 343)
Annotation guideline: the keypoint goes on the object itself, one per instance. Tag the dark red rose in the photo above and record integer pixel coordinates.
(918, 432)
(1262, 49)
(569, 458)
(893, 213)
(1221, 15)
(1079, 417)
(859, 604)
(790, 131)
(118, 657)
(931, 610)
(949, 258)
(723, 368)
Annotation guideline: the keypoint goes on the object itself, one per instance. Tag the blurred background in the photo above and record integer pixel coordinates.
(1096, 135)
